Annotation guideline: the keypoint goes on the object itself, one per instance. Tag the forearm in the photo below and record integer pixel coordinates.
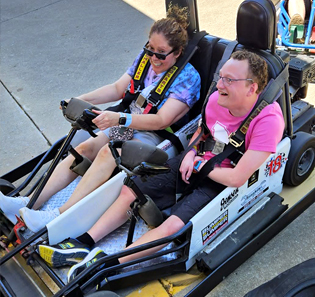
(227, 176)
(101, 95)
(238, 175)
(108, 93)
(149, 122)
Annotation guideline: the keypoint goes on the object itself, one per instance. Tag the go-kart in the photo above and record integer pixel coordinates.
(296, 36)
(255, 211)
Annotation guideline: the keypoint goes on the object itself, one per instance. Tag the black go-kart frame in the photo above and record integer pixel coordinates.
(198, 241)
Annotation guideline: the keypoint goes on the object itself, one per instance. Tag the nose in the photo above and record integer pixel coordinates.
(220, 83)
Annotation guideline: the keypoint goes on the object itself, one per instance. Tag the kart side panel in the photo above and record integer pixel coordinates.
(81, 217)
(233, 202)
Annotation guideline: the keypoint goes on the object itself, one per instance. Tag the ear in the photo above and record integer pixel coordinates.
(253, 89)
(179, 53)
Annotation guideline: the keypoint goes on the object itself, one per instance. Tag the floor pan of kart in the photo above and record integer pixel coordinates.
(112, 243)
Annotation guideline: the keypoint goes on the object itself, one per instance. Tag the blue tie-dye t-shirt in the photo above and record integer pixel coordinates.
(185, 88)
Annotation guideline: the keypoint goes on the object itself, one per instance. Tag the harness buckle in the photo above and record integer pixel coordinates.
(132, 90)
(150, 105)
(235, 142)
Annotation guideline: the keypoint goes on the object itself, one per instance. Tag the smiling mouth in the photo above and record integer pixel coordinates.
(223, 93)
(157, 64)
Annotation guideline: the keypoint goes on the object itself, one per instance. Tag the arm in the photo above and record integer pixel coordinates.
(237, 176)
(108, 93)
(171, 111)
(187, 164)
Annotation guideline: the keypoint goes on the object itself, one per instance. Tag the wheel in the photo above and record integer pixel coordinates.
(102, 294)
(296, 281)
(301, 160)
(5, 186)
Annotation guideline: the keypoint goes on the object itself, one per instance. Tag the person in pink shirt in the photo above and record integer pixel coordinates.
(241, 80)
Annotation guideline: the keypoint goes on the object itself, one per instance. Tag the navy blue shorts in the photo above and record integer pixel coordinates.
(162, 189)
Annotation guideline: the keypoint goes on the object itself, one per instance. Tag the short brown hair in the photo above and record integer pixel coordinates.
(173, 27)
(257, 70)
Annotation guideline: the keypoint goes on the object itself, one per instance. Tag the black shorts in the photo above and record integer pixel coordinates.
(162, 189)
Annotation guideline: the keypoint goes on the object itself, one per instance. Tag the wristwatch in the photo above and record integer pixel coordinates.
(122, 120)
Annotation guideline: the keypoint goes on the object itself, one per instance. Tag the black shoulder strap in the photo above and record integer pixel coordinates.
(268, 96)
(135, 86)
(157, 94)
(271, 92)
(226, 55)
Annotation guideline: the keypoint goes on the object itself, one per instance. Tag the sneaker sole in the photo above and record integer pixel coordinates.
(91, 255)
(57, 258)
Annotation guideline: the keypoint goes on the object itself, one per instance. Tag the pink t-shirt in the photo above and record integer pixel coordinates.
(264, 133)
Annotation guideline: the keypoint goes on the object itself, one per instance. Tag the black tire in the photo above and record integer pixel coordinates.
(5, 186)
(102, 294)
(301, 160)
(296, 281)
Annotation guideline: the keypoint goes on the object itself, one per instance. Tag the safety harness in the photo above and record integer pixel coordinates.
(236, 146)
(156, 96)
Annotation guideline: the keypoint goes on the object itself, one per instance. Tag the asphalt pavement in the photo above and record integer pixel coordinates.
(52, 50)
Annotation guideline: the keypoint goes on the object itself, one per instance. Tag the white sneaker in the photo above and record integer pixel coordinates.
(38, 219)
(11, 206)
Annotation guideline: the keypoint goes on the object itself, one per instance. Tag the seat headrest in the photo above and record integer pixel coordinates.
(256, 24)
(192, 13)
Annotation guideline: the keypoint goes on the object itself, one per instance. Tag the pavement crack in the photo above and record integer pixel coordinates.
(26, 113)
(25, 13)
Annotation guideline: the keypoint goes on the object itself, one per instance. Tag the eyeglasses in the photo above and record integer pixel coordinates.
(228, 81)
(160, 56)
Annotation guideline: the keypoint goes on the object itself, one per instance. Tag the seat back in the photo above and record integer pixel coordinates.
(202, 59)
(256, 32)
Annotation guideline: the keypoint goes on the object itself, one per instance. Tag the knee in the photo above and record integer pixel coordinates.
(104, 152)
(85, 148)
(126, 196)
(171, 225)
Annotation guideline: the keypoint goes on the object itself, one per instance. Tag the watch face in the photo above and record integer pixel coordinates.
(122, 120)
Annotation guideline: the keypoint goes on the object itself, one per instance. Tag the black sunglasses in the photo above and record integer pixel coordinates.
(158, 55)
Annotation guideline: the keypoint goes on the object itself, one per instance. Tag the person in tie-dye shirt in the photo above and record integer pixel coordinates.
(167, 41)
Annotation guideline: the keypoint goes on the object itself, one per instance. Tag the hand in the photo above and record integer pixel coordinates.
(186, 167)
(67, 100)
(105, 119)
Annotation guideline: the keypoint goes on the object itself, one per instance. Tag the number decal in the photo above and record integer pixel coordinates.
(274, 164)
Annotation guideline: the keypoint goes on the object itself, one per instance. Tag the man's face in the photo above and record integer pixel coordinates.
(233, 95)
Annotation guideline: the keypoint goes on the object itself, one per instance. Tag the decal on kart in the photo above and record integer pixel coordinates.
(275, 163)
(254, 195)
(215, 226)
(225, 202)
(253, 179)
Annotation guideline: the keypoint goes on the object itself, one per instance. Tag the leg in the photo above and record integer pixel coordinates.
(169, 227)
(99, 172)
(114, 217)
(59, 179)
(62, 175)
(296, 7)
(71, 250)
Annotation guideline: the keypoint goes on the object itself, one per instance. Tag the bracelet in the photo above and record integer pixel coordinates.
(128, 120)
(196, 166)
(194, 150)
